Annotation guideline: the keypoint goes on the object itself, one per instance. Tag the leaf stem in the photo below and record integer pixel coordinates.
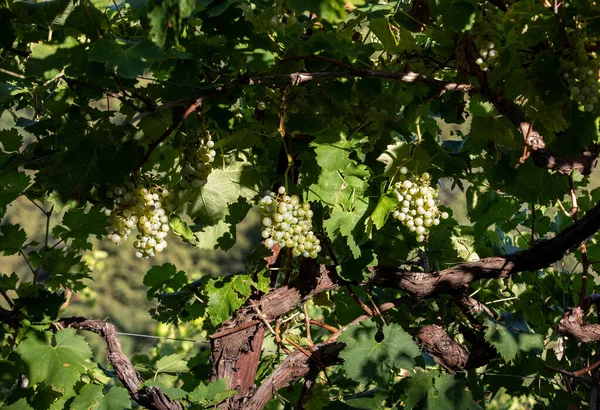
(29, 264)
(7, 298)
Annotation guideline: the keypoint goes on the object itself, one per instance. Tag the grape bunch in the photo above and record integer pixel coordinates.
(197, 158)
(417, 206)
(141, 207)
(580, 71)
(488, 54)
(287, 222)
(484, 32)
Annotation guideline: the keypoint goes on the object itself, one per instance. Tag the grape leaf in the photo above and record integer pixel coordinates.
(226, 183)
(172, 363)
(333, 156)
(91, 397)
(433, 391)
(225, 295)
(8, 282)
(367, 360)
(400, 154)
(340, 187)
(344, 222)
(11, 140)
(163, 276)
(381, 28)
(12, 185)
(20, 404)
(128, 61)
(211, 394)
(12, 239)
(80, 225)
(511, 335)
(58, 362)
(385, 206)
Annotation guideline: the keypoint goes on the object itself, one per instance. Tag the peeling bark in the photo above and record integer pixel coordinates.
(571, 325)
(295, 366)
(235, 356)
(149, 397)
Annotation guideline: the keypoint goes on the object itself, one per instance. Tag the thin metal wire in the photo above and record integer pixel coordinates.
(161, 337)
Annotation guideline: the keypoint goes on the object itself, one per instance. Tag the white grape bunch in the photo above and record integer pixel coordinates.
(197, 158)
(288, 223)
(484, 34)
(417, 203)
(145, 208)
(580, 71)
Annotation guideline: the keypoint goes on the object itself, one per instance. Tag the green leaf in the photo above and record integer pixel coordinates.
(433, 391)
(331, 10)
(385, 206)
(260, 60)
(226, 183)
(46, 13)
(368, 360)
(225, 295)
(129, 62)
(341, 187)
(511, 335)
(91, 397)
(211, 394)
(11, 140)
(8, 282)
(58, 362)
(163, 276)
(12, 185)
(401, 153)
(173, 363)
(334, 156)
(344, 223)
(80, 225)
(20, 404)
(12, 239)
(381, 28)
(458, 15)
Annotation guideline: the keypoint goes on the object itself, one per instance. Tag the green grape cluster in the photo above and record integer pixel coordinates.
(488, 55)
(484, 32)
(146, 209)
(417, 206)
(197, 158)
(580, 71)
(287, 222)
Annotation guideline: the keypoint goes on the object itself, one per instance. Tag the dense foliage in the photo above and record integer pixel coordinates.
(149, 122)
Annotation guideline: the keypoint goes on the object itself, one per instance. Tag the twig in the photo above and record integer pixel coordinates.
(307, 324)
(323, 325)
(364, 307)
(533, 219)
(234, 330)
(298, 347)
(278, 336)
(7, 298)
(587, 369)
(262, 317)
(190, 109)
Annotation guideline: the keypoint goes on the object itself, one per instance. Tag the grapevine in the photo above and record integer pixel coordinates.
(197, 159)
(417, 206)
(143, 207)
(288, 223)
